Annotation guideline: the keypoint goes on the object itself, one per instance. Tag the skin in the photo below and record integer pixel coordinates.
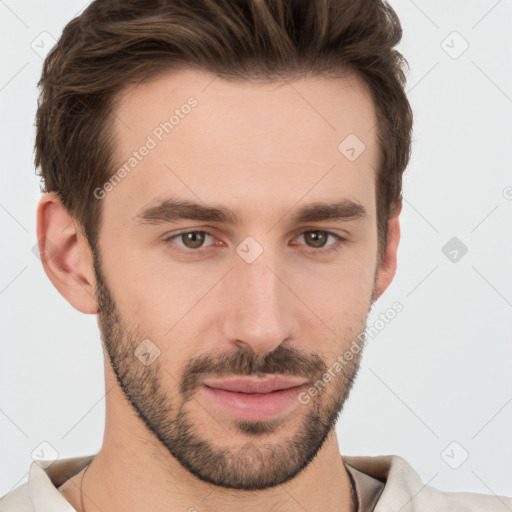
(264, 151)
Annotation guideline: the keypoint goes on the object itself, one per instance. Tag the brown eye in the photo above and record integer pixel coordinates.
(193, 240)
(190, 242)
(316, 239)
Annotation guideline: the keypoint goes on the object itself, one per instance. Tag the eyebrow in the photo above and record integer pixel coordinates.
(171, 210)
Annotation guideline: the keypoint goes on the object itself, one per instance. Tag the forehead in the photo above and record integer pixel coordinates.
(250, 145)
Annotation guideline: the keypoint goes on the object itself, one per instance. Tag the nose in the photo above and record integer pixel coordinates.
(259, 313)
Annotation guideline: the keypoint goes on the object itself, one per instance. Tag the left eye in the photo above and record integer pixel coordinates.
(316, 239)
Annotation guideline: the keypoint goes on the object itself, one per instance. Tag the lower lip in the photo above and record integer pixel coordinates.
(253, 407)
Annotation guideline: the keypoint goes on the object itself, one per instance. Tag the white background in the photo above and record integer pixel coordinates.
(439, 372)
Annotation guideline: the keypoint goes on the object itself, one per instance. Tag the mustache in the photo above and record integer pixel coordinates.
(281, 361)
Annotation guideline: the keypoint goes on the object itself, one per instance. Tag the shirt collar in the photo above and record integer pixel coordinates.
(401, 483)
(44, 479)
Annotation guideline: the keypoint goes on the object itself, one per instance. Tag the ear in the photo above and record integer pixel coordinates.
(386, 268)
(65, 254)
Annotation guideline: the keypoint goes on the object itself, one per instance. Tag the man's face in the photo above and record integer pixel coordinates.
(268, 294)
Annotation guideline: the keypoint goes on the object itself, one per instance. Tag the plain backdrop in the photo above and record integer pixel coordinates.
(435, 384)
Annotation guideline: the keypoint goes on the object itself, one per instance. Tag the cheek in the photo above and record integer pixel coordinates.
(172, 305)
(147, 289)
(343, 285)
(354, 287)
(341, 299)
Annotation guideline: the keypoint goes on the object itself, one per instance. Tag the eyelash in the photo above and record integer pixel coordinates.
(203, 250)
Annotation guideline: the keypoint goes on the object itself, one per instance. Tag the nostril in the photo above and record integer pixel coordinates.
(244, 346)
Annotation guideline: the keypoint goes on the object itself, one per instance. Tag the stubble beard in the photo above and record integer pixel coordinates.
(258, 463)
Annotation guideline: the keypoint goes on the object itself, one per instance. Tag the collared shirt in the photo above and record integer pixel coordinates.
(385, 483)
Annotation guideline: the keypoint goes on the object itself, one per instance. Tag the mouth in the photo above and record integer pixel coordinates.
(251, 385)
(255, 399)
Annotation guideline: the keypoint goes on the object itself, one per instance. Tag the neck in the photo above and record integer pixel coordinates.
(133, 471)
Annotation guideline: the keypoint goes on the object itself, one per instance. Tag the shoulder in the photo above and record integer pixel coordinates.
(41, 492)
(434, 499)
(405, 491)
(17, 500)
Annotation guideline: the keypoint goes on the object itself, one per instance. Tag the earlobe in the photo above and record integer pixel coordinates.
(387, 266)
(65, 254)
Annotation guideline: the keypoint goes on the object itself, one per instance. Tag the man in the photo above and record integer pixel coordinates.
(223, 189)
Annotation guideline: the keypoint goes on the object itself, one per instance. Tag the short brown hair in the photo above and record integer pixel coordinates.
(113, 44)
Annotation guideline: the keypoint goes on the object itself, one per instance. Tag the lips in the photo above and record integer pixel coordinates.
(251, 385)
(253, 399)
